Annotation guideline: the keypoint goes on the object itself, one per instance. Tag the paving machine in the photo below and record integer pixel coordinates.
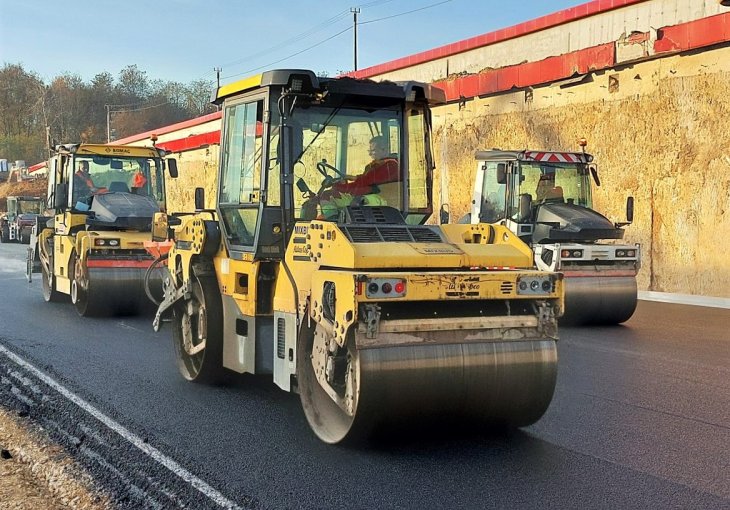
(351, 299)
(17, 223)
(103, 200)
(545, 198)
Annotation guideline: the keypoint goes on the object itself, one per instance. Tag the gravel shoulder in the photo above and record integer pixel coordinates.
(35, 473)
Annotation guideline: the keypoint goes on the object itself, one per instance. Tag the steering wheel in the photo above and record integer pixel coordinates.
(322, 167)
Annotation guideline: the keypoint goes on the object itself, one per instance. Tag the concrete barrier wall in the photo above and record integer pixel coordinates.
(659, 132)
(608, 26)
(658, 128)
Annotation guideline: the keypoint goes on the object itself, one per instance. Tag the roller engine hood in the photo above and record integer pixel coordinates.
(568, 222)
(122, 210)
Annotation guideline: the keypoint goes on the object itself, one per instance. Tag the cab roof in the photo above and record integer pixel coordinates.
(305, 81)
(108, 150)
(531, 155)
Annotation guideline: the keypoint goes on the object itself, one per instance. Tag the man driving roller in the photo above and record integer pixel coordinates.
(83, 185)
(381, 170)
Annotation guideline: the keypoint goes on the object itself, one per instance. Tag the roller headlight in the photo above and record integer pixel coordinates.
(106, 242)
(535, 285)
(571, 254)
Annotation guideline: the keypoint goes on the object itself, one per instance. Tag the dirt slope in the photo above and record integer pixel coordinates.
(33, 188)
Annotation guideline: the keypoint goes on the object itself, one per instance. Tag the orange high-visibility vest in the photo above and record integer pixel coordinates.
(139, 180)
(87, 180)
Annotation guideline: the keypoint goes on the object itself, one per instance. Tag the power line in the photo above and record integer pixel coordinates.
(290, 56)
(297, 38)
(404, 13)
(137, 108)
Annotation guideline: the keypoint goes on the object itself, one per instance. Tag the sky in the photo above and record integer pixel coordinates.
(186, 40)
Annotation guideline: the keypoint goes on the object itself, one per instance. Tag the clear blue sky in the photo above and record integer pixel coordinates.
(183, 40)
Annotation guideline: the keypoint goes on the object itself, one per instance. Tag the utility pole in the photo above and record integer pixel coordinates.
(218, 83)
(108, 123)
(355, 11)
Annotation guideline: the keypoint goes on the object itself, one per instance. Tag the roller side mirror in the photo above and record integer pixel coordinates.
(594, 173)
(60, 196)
(444, 214)
(630, 209)
(172, 167)
(199, 199)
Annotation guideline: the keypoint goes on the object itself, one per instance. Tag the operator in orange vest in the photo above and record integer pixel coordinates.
(139, 180)
(382, 169)
(83, 185)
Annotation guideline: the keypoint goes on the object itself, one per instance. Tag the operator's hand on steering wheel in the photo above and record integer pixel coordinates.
(322, 167)
(330, 181)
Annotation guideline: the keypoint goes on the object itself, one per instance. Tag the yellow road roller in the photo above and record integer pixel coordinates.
(317, 265)
(103, 200)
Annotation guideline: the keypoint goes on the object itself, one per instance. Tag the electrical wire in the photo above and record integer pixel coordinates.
(289, 56)
(404, 13)
(297, 38)
(141, 108)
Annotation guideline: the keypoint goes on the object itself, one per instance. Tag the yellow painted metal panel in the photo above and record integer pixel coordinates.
(239, 86)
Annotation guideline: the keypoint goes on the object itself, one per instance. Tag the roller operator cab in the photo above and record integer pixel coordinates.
(102, 200)
(545, 198)
(17, 223)
(316, 266)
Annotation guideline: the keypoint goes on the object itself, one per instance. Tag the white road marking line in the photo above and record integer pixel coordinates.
(137, 441)
(685, 299)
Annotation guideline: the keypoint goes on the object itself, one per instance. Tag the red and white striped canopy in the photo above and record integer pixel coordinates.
(556, 157)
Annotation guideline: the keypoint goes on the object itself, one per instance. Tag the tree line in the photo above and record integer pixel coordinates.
(74, 110)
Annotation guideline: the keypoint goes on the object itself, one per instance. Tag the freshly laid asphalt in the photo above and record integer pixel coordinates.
(640, 419)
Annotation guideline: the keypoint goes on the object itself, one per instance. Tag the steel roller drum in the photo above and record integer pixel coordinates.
(508, 383)
(601, 300)
(119, 291)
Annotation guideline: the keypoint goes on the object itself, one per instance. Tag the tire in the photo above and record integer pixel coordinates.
(4, 234)
(25, 238)
(326, 419)
(79, 291)
(205, 366)
(50, 294)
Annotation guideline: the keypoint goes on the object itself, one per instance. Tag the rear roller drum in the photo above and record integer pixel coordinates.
(197, 332)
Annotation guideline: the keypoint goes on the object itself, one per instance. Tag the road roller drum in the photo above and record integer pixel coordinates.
(411, 377)
(599, 300)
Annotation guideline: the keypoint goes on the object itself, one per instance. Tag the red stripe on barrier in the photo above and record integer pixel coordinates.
(192, 142)
(533, 73)
(549, 21)
(693, 34)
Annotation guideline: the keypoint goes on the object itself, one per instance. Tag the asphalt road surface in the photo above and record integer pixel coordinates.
(640, 419)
